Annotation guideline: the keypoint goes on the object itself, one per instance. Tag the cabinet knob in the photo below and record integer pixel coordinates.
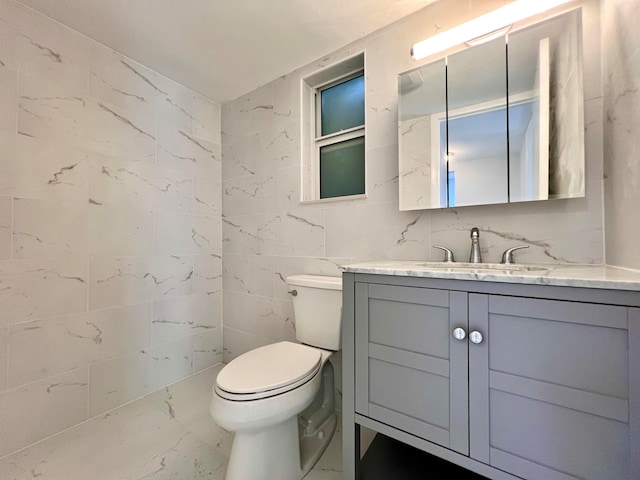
(459, 333)
(476, 337)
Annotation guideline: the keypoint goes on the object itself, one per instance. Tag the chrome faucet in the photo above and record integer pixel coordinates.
(475, 256)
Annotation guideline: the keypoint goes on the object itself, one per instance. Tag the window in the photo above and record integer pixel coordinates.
(333, 150)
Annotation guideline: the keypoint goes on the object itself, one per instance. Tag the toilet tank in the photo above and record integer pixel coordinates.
(318, 308)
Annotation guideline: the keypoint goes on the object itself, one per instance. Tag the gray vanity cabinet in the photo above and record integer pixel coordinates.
(540, 387)
(549, 387)
(410, 371)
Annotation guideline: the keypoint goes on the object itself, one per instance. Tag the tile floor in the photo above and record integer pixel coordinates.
(166, 435)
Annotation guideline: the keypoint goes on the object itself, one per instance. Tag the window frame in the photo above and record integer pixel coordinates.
(311, 123)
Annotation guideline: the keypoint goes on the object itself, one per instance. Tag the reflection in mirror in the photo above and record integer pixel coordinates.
(454, 144)
(422, 94)
(477, 115)
(546, 157)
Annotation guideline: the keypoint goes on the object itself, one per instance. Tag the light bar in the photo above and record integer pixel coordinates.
(483, 25)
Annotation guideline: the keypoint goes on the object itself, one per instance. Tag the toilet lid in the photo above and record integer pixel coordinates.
(269, 368)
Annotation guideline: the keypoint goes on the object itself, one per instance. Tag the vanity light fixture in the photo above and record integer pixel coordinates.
(484, 28)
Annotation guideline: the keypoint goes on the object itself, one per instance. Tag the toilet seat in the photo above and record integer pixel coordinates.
(268, 371)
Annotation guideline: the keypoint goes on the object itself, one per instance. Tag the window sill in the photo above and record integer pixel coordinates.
(334, 199)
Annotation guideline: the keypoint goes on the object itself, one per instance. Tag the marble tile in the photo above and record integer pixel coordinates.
(42, 169)
(182, 151)
(287, 188)
(382, 174)
(284, 149)
(207, 349)
(48, 49)
(119, 231)
(131, 280)
(236, 343)
(9, 39)
(248, 274)
(188, 404)
(44, 348)
(117, 80)
(241, 311)
(298, 232)
(240, 158)
(207, 273)
(377, 231)
(37, 410)
(122, 379)
(186, 234)
(3, 358)
(47, 110)
(33, 289)
(5, 227)
(126, 183)
(287, 266)
(240, 234)
(8, 99)
(550, 239)
(286, 103)
(247, 195)
(206, 119)
(111, 130)
(45, 229)
(207, 195)
(276, 319)
(250, 113)
(186, 316)
(136, 441)
(382, 120)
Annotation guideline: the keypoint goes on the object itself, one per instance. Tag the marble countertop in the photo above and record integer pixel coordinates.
(585, 276)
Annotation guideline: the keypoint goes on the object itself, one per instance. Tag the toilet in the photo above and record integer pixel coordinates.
(279, 399)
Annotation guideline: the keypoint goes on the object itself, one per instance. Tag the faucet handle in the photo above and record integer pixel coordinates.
(448, 254)
(507, 256)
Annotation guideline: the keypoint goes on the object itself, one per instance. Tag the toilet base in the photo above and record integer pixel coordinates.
(289, 457)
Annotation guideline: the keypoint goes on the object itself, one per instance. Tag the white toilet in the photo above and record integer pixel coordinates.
(278, 399)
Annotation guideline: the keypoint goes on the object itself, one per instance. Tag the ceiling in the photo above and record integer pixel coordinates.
(225, 48)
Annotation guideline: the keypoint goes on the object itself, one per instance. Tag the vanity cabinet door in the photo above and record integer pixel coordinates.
(410, 371)
(549, 388)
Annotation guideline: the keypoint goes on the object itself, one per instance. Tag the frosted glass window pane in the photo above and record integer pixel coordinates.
(342, 169)
(342, 106)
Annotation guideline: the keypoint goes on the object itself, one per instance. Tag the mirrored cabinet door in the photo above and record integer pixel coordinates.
(422, 98)
(477, 164)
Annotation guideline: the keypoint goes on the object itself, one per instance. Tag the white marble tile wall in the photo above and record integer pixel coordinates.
(268, 234)
(621, 103)
(110, 229)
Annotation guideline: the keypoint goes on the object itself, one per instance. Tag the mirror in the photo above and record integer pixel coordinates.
(499, 122)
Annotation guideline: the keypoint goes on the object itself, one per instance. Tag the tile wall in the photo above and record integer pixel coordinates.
(268, 234)
(110, 229)
(621, 87)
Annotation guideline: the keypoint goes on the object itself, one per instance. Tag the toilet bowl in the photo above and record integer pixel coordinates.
(278, 399)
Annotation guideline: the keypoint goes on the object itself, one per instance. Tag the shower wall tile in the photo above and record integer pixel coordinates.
(120, 380)
(35, 411)
(186, 316)
(130, 280)
(207, 349)
(180, 150)
(117, 232)
(42, 288)
(240, 234)
(276, 320)
(8, 98)
(126, 183)
(207, 273)
(247, 195)
(5, 227)
(186, 234)
(110, 199)
(44, 229)
(44, 348)
(42, 169)
(115, 131)
(248, 274)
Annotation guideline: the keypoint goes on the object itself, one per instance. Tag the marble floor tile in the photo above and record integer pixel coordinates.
(165, 435)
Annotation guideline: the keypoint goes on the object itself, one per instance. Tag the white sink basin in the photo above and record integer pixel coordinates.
(474, 267)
